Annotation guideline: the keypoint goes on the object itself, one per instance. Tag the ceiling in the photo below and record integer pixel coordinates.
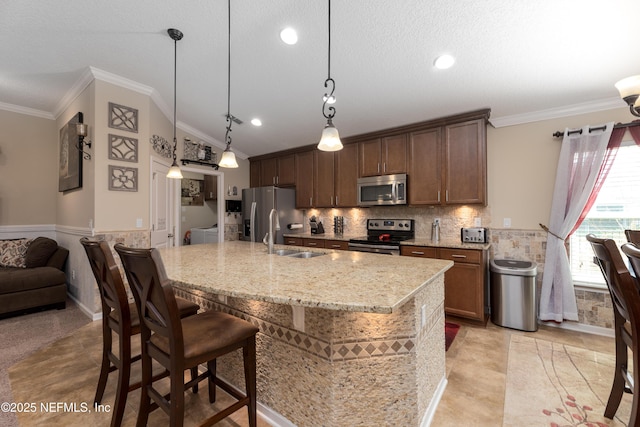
(524, 60)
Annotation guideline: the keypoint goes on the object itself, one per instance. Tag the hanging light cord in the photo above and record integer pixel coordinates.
(175, 85)
(329, 112)
(227, 137)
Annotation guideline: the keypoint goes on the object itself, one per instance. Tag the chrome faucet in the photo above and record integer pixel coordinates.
(274, 225)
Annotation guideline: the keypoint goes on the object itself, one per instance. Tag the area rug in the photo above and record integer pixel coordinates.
(450, 332)
(571, 385)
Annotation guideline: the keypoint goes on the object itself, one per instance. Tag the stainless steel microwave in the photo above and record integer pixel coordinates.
(382, 190)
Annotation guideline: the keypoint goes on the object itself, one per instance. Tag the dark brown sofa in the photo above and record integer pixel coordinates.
(40, 283)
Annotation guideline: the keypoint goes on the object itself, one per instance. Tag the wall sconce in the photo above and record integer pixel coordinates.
(82, 129)
(629, 89)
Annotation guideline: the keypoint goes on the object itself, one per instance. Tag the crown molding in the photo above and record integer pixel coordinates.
(553, 113)
(122, 82)
(27, 111)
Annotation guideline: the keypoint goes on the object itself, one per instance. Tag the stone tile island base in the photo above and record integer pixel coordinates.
(321, 367)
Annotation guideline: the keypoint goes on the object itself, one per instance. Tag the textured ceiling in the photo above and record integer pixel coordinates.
(517, 58)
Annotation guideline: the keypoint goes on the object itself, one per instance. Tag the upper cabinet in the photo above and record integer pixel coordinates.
(383, 156)
(445, 161)
(448, 165)
(210, 187)
(279, 171)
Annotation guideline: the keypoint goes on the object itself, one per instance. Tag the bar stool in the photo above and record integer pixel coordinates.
(121, 317)
(623, 289)
(179, 344)
(633, 236)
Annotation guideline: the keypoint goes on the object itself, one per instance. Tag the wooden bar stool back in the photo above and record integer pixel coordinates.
(633, 236)
(179, 344)
(623, 289)
(119, 317)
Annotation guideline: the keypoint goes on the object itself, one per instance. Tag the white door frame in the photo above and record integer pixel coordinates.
(177, 215)
(170, 200)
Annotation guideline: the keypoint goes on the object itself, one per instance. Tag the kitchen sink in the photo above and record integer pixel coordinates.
(297, 254)
(305, 255)
(286, 252)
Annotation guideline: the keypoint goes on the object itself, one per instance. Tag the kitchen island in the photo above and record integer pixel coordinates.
(346, 338)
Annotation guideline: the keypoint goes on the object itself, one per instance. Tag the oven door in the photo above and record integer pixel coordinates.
(377, 249)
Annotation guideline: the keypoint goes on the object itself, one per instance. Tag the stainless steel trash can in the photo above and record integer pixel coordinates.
(513, 294)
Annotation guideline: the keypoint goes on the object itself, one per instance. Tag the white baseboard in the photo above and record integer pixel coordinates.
(91, 315)
(581, 327)
(433, 405)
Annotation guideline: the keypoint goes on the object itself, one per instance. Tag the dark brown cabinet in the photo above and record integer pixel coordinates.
(304, 180)
(383, 156)
(317, 242)
(323, 173)
(210, 187)
(448, 165)
(346, 176)
(465, 284)
(280, 171)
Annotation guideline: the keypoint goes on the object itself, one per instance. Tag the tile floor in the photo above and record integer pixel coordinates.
(476, 370)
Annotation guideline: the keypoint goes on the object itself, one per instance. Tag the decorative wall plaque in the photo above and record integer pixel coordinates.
(123, 148)
(161, 146)
(123, 118)
(70, 161)
(123, 178)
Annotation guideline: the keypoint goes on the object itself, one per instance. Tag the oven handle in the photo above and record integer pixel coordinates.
(365, 246)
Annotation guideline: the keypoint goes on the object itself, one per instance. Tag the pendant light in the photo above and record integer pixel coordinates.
(330, 140)
(174, 171)
(228, 159)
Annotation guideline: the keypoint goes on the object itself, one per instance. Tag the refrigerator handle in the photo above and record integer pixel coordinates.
(252, 223)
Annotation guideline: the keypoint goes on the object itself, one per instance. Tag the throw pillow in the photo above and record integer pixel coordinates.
(39, 251)
(13, 253)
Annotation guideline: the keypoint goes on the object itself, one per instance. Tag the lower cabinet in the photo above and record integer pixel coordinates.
(465, 284)
(317, 243)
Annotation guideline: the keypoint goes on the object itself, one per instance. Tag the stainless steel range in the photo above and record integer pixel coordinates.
(384, 236)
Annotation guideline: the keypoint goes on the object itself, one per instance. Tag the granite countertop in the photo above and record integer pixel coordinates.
(418, 241)
(338, 280)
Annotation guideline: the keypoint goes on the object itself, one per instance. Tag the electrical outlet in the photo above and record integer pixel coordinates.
(436, 220)
(139, 223)
(477, 222)
(73, 274)
(423, 315)
(506, 222)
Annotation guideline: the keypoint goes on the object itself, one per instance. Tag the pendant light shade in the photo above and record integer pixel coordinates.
(174, 171)
(330, 140)
(228, 159)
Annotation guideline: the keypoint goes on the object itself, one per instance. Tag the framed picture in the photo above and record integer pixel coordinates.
(70, 166)
(191, 192)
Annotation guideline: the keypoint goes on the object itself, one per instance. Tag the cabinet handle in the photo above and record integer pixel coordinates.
(438, 196)
(336, 200)
(458, 256)
(446, 197)
(384, 167)
(310, 201)
(312, 243)
(417, 252)
(335, 246)
(277, 180)
(378, 167)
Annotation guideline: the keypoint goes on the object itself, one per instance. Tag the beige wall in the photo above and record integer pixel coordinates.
(28, 169)
(522, 162)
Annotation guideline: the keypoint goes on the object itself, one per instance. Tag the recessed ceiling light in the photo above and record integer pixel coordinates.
(256, 122)
(289, 36)
(443, 62)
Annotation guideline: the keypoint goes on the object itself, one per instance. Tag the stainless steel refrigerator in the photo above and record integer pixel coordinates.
(257, 204)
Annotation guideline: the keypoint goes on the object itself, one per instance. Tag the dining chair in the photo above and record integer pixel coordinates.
(179, 344)
(633, 236)
(625, 297)
(119, 317)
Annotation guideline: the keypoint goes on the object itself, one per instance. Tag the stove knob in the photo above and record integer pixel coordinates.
(400, 225)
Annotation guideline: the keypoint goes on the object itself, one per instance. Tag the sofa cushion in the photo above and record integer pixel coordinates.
(23, 279)
(13, 252)
(39, 251)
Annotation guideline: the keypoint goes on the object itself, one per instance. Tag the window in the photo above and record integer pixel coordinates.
(616, 209)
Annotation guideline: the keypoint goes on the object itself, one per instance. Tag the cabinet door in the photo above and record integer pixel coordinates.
(294, 241)
(339, 245)
(254, 174)
(210, 187)
(424, 179)
(346, 178)
(394, 154)
(323, 179)
(370, 157)
(304, 180)
(314, 243)
(268, 171)
(466, 163)
(286, 170)
(463, 291)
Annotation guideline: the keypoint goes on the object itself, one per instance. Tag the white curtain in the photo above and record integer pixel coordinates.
(581, 157)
